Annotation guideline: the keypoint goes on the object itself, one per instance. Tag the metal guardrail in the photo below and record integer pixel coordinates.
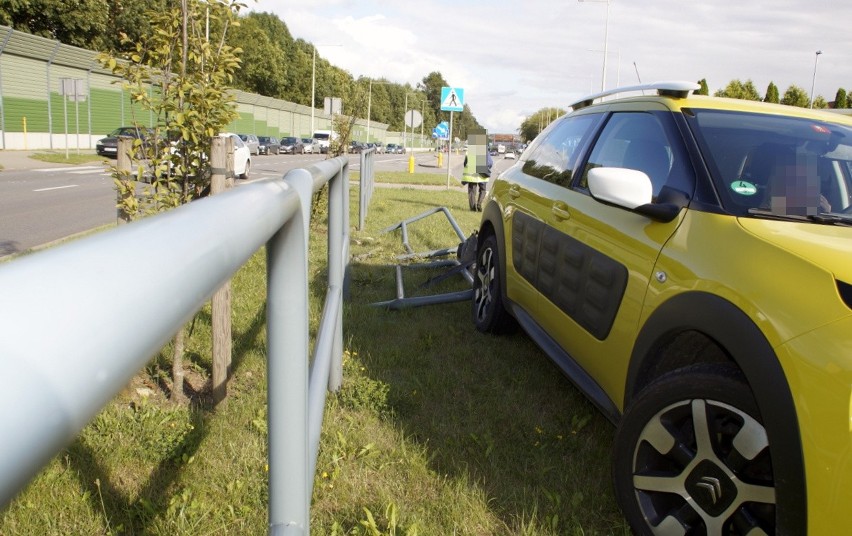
(366, 183)
(74, 328)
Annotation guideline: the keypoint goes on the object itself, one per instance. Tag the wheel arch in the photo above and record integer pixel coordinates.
(676, 335)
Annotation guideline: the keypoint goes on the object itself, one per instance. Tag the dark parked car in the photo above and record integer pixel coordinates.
(356, 146)
(268, 145)
(109, 146)
(292, 145)
(377, 146)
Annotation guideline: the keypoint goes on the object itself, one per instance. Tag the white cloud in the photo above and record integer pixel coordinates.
(514, 58)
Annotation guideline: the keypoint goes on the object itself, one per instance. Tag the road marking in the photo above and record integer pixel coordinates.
(75, 168)
(86, 171)
(55, 188)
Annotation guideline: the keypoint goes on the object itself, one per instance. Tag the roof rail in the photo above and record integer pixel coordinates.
(671, 88)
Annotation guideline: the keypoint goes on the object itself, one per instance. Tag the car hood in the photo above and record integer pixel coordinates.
(824, 245)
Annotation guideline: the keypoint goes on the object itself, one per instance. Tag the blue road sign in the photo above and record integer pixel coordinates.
(452, 99)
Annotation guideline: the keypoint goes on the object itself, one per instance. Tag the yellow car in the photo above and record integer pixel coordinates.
(687, 263)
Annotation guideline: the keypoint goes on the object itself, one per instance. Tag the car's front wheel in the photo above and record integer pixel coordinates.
(691, 456)
(489, 314)
(245, 174)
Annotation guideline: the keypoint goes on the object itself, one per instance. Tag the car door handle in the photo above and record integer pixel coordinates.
(514, 192)
(560, 210)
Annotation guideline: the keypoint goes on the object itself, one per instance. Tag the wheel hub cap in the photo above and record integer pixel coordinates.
(711, 488)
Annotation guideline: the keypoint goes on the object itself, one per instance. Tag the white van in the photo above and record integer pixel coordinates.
(323, 137)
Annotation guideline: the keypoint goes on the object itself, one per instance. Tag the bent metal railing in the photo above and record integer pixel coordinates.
(74, 329)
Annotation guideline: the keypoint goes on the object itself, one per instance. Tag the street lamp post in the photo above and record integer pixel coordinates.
(813, 82)
(314, 84)
(606, 40)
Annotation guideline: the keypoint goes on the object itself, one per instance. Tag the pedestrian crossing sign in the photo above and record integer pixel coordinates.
(452, 99)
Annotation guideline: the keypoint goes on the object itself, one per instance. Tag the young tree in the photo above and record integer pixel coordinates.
(841, 99)
(796, 96)
(739, 90)
(704, 90)
(181, 77)
(771, 93)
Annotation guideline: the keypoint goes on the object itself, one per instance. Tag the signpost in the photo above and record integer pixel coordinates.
(74, 89)
(331, 106)
(452, 100)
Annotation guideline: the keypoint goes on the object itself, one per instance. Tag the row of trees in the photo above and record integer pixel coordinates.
(794, 96)
(736, 89)
(272, 62)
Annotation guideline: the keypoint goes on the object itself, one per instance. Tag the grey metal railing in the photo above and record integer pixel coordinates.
(366, 183)
(76, 324)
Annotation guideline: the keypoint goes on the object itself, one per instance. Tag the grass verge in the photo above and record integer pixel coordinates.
(72, 158)
(438, 429)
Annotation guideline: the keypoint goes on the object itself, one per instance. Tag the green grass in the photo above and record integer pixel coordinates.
(416, 178)
(438, 429)
(73, 157)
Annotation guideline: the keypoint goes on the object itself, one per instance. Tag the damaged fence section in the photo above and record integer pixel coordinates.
(465, 257)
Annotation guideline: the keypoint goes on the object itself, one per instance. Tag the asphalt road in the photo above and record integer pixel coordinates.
(45, 203)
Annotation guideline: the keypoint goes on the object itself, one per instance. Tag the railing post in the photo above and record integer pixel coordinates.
(337, 209)
(221, 303)
(287, 383)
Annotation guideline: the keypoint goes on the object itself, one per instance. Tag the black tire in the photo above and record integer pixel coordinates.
(489, 314)
(715, 476)
(245, 174)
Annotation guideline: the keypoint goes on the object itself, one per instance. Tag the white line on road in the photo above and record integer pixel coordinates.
(55, 188)
(75, 168)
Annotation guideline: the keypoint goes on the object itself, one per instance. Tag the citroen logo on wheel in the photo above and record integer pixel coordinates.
(713, 487)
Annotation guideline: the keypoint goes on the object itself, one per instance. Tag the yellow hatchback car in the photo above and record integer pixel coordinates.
(687, 262)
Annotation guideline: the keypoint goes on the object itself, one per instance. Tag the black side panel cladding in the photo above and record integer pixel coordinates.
(584, 283)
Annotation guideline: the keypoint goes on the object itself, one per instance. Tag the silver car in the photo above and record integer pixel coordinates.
(310, 145)
(251, 141)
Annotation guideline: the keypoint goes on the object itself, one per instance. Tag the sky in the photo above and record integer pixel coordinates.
(513, 58)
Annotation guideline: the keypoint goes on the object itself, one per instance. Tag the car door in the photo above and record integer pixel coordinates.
(528, 192)
(599, 258)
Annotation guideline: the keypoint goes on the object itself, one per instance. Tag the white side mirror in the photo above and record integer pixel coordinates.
(624, 187)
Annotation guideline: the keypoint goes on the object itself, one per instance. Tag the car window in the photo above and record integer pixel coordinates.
(786, 165)
(554, 157)
(641, 141)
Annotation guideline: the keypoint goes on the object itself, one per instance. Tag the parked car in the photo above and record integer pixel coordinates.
(242, 155)
(377, 146)
(292, 145)
(309, 145)
(393, 148)
(268, 145)
(686, 261)
(108, 146)
(356, 146)
(251, 141)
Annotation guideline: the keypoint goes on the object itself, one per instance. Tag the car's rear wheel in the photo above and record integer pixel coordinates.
(489, 314)
(691, 456)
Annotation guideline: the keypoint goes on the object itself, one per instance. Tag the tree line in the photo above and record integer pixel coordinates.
(736, 89)
(272, 62)
(275, 64)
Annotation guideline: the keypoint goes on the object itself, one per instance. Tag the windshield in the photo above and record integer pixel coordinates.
(777, 165)
(321, 136)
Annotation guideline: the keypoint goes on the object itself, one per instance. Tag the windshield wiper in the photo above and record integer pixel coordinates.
(824, 218)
